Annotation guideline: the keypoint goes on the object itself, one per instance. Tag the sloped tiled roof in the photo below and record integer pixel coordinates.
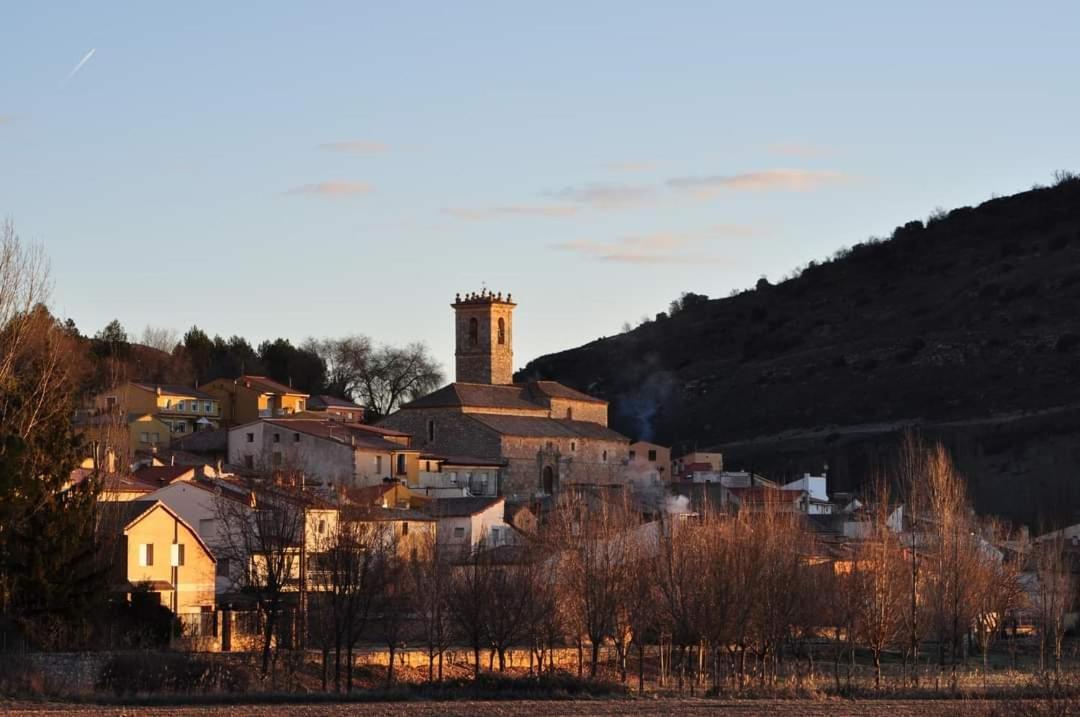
(267, 385)
(161, 475)
(477, 395)
(543, 427)
(171, 389)
(554, 389)
(332, 402)
(364, 436)
(459, 507)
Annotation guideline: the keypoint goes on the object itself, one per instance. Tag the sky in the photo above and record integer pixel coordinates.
(330, 168)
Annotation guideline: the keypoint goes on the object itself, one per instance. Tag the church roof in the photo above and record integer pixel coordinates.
(530, 396)
(482, 395)
(543, 427)
(554, 389)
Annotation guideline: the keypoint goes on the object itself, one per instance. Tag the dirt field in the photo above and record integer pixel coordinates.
(613, 708)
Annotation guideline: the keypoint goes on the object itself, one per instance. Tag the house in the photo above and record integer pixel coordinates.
(463, 523)
(336, 408)
(412, 531)
(161, 552)
(389, 494)
(249, 398)
(649, 461)
(167, 410)
(685, 466)
(444, 476)
(815, 489)
(544, 433)
(324, 451)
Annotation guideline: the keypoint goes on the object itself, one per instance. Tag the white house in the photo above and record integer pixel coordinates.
(325, 451)
(464, 522)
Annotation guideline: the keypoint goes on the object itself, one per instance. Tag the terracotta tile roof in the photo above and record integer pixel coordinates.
(554, 389)
(378, 514)
(459, 507)
(364, 436)
(266, 385)
(369, 495)
(172, 389)
(325, 401)
(478, 395)
(543, 427)
(162, 475)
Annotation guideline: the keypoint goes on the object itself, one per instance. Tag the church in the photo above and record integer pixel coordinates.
(545, 434)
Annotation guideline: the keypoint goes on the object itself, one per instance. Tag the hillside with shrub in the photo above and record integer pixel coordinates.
(966, 325)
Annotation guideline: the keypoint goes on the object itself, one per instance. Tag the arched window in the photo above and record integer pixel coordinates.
(502, 331)
(474, 332)
(569, 413)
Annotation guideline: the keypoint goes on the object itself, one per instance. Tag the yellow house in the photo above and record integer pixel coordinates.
(161, 551)
(250, 398)
(167, 410)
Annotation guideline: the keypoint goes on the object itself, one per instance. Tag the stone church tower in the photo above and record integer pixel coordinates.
(484, 336)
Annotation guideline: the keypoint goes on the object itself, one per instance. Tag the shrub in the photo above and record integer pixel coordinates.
(133, 673)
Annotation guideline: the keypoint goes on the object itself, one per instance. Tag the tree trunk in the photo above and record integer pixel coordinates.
(390, 667)
(595, 655)
(476, 661)
(641, 669)
(348, 668)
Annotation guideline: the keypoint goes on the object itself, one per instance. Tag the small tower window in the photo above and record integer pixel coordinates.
(502, 331)
(474, 332)
(431, 430)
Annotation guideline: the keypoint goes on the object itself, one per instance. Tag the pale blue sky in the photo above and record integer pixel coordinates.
(318, 169)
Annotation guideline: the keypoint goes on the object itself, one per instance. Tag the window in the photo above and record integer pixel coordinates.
(474, 332)
(156, 437)
(206, 526)
(296, 438)
(222, 568)
(652, 455)
(573, 446)
(110, 402)
(168, 403)
(300, 404)
(502, 331)
(569, 413)
(146, 555)
(250, 437)
(180, 405)
(431, 430)
(177, 557)
(322, 526)
(180, 426)
(144, 437)
(378, 464)
(249, 461)
(401, 464)
(459, 532)
(633, 455)
(194, 407)
(277, 438)
(404, 527)
(208, 407)
(604, 457)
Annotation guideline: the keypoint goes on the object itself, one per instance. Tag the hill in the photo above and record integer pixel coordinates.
(966, 325)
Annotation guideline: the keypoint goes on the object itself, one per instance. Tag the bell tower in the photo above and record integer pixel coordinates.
(484, 331)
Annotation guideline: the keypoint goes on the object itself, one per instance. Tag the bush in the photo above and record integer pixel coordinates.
(170, 672)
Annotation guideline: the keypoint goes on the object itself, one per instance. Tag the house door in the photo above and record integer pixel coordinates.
(549, 480)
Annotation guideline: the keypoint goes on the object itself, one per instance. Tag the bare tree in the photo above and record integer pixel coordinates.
(1054, 596)
(394, 603)
(266, 536)
(431, 585)
(469, 589)
(160, 338)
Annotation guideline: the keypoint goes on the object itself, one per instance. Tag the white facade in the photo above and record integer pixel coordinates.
(266, 446)
(458, 532)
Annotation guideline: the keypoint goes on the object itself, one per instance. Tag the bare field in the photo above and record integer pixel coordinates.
(606, 708)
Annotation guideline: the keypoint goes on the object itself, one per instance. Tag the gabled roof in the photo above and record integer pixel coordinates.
(554, 389)
(345, 433)
(477, 395)
(161, 475)
(460, 507)
(172, 389)
(332, 402)
(267, 385)
(543, 427)
(132, 511)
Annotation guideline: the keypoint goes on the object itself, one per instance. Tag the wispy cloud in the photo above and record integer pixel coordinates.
(630, 167)
(658, 247)
(792, 180)
(355, 147)
(86, 58)
(335, 188)
(800, 150)
(604, 195)
(484, 213)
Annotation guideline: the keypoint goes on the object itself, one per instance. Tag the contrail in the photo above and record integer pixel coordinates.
(81, 63)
